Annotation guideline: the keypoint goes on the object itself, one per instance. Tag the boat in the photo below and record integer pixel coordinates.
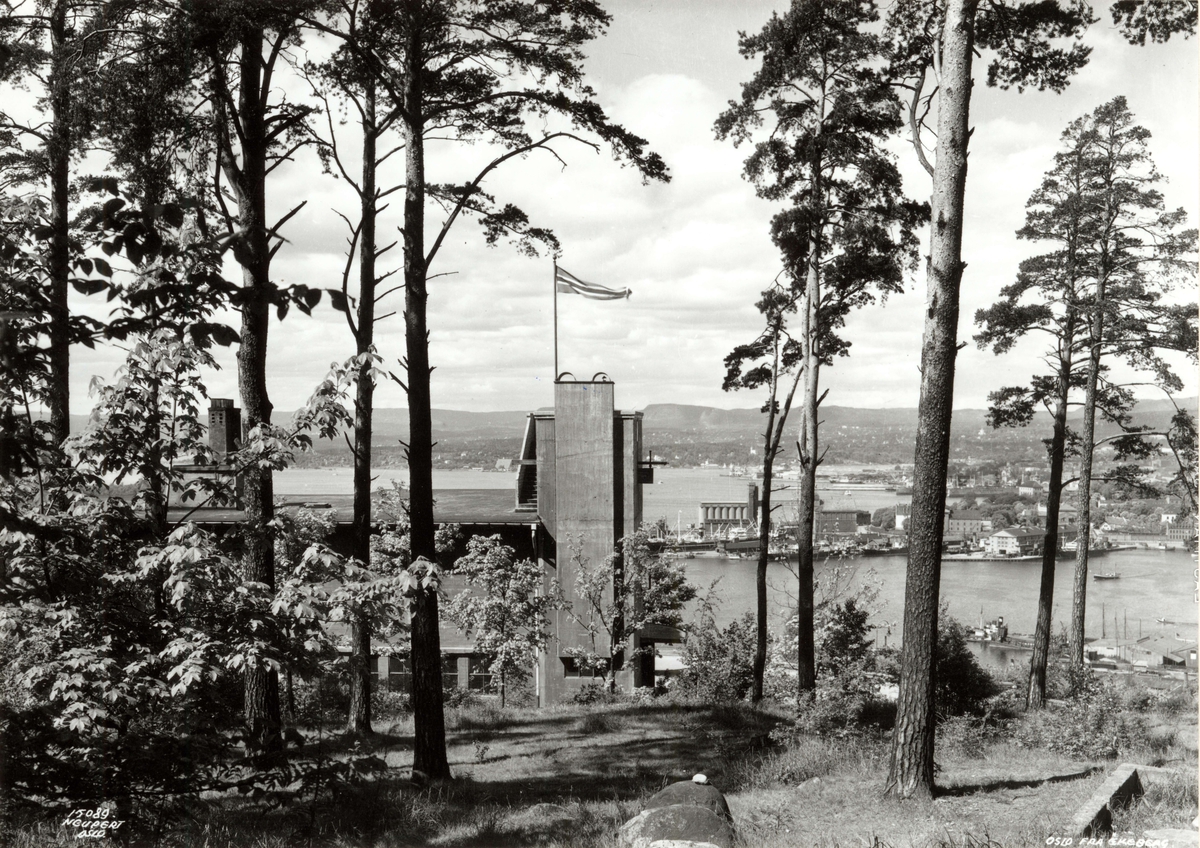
(889, 551)
(1111, 575)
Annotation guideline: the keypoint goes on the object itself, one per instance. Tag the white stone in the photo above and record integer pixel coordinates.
(700, 778)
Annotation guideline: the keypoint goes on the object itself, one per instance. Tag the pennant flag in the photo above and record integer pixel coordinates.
(570, 284)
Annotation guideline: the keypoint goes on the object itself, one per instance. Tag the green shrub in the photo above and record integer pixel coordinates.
(595, 693)
(595, 722)
(962, 686)
(718, 662)
(842, 640)
(1166, 702)
(1094, 725)
(967, 736)
(481, 714)
(1176, 702)
(390, 706)
(324, 699)
(453, 696)
(846, 702)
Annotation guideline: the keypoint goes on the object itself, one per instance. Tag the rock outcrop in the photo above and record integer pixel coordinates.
(688, 814)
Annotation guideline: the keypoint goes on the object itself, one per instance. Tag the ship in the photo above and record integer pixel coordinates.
(995, 634)
(881, 551)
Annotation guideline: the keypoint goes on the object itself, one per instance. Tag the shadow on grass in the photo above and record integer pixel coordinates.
(997, 785)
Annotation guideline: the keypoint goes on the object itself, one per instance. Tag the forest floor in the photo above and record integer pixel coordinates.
(571, 775)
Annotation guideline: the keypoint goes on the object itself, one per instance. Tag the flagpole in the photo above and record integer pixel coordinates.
(555, 286)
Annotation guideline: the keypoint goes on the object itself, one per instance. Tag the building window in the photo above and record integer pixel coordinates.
(478, 676)
(399, 675)
(449, 671)
(572, 667)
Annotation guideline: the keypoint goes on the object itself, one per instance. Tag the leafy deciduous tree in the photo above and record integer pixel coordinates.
(628, 590)
(505, 609)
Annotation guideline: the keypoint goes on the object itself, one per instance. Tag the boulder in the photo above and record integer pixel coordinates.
(677, 826)
(688, 814)
(691, 794)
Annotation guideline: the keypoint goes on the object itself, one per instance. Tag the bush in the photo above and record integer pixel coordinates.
(597, 722)
(1168, 703)
(324, 699)
(390, 706)
(1094, 725)
(842, 641)
(595, 693)
(963, 687)
(803, 758)
(846, 702)
(453, 696)
(483, 714)
(966, 736)
(719, 664)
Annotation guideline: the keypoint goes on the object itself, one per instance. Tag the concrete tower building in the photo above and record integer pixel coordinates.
(583, 462)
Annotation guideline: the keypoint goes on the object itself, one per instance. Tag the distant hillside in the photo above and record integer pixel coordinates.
(392, 422)
(691, 435)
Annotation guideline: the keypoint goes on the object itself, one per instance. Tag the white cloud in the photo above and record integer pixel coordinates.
(695, 251)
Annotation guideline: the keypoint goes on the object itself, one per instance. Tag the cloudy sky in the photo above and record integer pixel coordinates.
(696, 251)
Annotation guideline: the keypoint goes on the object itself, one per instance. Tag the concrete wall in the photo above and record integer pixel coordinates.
(629, 515)
(584, 508)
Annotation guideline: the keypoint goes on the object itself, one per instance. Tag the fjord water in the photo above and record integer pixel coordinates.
(1154, 584)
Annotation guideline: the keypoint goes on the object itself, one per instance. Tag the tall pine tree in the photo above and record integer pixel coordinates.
(847, 233)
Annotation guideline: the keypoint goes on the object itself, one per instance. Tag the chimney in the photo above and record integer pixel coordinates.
(224, 427)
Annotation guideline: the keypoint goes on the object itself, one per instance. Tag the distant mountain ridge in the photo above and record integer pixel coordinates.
(392, 422)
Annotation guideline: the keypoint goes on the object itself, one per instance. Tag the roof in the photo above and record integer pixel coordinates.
(1167, 646)
(451, 506)
(968, 515)
(1020, 532)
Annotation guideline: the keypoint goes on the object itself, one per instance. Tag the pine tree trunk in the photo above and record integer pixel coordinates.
(1035, 697)
(911, 771)
(429, 744)
(360, 638)
(1087, 448)
(759, 666)
(759, 663)
(261, 685)
(807, 665)
(58, 154)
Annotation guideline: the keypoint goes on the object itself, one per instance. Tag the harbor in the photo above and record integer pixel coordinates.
(1156, 586)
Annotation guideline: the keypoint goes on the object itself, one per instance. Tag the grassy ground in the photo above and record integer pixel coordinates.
(569, 776)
